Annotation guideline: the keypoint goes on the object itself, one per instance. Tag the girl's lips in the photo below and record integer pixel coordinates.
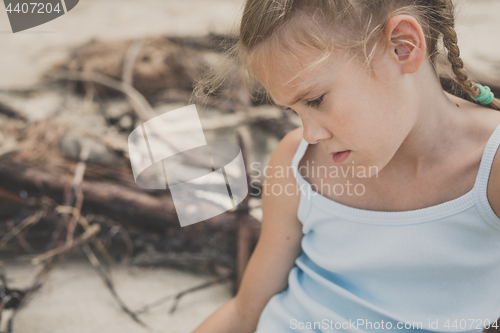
(341, 156)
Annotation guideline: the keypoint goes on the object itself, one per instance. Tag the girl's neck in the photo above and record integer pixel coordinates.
(438, 129)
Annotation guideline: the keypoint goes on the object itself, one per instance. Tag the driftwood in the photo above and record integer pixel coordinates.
(164, 68)
(100, 194)
(211, 42)
(11, 112)
(62, 246)
(123, 200)
(140, 104)
(134, 208)
(95, 197)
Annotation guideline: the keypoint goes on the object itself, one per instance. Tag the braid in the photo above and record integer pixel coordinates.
(450, 40)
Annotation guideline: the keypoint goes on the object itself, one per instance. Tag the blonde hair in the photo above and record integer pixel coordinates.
(353, 25)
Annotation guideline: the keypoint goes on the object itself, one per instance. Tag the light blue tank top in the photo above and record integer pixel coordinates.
(435, 269)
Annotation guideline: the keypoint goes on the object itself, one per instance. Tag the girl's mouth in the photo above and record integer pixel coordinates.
(341, 156)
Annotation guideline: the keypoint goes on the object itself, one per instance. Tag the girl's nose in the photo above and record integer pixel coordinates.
(314, 134)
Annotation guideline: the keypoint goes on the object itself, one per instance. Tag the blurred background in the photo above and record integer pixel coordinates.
(82, 247)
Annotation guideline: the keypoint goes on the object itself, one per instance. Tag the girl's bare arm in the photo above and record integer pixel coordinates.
(278, 247)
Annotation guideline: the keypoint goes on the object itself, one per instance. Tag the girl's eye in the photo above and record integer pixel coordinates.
(316, 102)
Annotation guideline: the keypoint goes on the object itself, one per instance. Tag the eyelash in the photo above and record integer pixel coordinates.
(316, 102)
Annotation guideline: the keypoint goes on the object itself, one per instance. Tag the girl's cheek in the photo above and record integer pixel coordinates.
(342, 117)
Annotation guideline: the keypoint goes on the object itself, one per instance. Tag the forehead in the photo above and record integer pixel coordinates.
(272, 65)
(283, 73)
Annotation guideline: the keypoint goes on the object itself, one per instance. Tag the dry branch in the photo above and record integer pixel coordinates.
(12, 113)
(116, 200)
(140, 104)
(129, 62)
(109, 283)
(29, 221)
(90, 232)
(179, 295)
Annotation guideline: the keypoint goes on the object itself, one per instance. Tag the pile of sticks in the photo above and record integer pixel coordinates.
(80, 205)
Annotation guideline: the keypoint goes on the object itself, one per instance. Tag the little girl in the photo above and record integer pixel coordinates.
(411, 240)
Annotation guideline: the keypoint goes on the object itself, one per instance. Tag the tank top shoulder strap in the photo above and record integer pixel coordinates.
(304, 187)
(301, 150)
(481, 183)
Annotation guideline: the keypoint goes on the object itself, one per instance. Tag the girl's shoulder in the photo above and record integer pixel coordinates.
(288, 145)
(492, 123)
(494, 186)
(280, 188)
(281, 160)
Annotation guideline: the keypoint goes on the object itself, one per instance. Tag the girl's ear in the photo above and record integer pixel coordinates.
(406, 42)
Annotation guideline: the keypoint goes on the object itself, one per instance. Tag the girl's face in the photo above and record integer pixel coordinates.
(342, 106)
